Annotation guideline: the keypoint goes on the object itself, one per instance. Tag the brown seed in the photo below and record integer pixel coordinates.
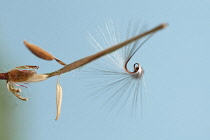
(39, 52)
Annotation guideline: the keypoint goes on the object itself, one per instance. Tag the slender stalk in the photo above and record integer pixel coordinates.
(4, 76)
(89, 59)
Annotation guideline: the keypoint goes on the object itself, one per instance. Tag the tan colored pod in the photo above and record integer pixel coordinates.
(39, 52)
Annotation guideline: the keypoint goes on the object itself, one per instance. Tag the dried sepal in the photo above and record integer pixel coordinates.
(15, 91)
(58, 99)
(21, 74)
(27, 67)
(27, 76)
(39, 52)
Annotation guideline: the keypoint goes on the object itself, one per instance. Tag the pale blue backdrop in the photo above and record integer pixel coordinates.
(176, 62)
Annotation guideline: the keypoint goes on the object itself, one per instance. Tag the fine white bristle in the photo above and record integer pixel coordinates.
(111, 78)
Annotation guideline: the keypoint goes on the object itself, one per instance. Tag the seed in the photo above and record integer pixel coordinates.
(39, 52)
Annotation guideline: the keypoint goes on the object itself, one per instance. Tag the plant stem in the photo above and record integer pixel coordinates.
(4, 76)
(89, 59)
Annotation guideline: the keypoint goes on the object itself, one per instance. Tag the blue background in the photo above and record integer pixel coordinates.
(176, 62)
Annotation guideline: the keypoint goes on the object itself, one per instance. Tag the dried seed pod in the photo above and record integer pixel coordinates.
(39, 52)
